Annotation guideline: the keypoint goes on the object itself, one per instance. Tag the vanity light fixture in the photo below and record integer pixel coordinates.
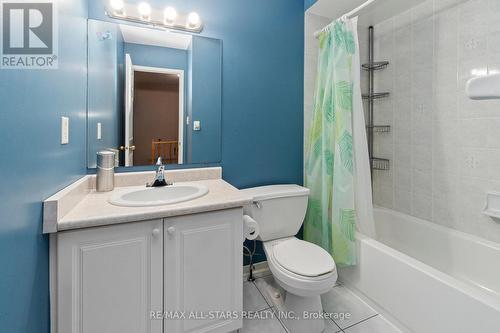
(143, 13)
(193, 20)
(169, 15)
(118, 7)
(144, 10)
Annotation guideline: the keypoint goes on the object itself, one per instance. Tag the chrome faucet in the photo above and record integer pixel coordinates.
(160, 176)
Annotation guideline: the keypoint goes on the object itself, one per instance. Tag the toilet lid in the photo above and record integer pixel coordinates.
(303, 258)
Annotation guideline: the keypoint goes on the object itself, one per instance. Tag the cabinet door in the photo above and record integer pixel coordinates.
(110, 278)
(203, 271)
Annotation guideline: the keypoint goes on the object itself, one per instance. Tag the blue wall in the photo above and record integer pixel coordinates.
(262, 129)
(105, 87)
(309, 3)
(34, 165)
(262, 85)
(155, 56)
(205, 62)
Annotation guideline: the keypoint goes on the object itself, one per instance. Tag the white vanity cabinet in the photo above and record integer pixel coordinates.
(110, 278)
(203, 271)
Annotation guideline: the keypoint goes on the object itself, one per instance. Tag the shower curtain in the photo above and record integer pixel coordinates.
(336, 162)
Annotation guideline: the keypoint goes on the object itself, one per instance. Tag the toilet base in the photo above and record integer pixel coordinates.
(307, 309)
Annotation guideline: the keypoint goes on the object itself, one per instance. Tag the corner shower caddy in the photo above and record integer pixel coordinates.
(372, 66)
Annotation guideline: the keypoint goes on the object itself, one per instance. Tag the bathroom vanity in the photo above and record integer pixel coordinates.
(168, 268)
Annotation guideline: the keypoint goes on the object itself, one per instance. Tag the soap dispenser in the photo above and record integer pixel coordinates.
(105, 179)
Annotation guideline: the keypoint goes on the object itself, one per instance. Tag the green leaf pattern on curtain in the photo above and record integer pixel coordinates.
(330, 107)
(345, 146)
(331, 218)
(344, 97)
(348, 223)
(329, 162)
(343, 38)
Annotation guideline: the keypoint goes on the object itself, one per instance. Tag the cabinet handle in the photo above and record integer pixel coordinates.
(156, 232)
(171, 230)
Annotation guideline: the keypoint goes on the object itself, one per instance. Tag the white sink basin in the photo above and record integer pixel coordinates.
(157, 196)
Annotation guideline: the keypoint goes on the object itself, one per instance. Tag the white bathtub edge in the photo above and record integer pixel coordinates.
(450, 281)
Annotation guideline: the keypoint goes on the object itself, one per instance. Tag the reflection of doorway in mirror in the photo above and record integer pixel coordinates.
(158, 115)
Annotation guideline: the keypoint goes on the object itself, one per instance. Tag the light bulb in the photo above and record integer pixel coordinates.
(117, 5)
(193, 19)
(169, 14)
(144, 10)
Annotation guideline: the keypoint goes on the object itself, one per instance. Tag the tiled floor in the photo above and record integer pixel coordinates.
(263, 295)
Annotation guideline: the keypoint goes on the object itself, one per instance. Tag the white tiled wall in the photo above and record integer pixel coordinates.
(444, 148)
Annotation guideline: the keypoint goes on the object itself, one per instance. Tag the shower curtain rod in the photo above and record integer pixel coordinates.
(351, 13)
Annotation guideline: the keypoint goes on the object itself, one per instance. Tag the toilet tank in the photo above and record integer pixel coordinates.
(278, 209)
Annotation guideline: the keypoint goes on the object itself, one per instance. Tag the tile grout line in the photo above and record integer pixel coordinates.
(333, 321)
(268, 308)
(268, 305)
(272, 307)
(361, 321)
(282, 324)
(260, 292)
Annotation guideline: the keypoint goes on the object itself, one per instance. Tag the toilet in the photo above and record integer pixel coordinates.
(303, 269)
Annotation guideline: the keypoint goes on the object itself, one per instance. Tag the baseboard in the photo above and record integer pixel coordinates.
(261, 269)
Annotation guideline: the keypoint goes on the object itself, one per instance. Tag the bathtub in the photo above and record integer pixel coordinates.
(428, 277)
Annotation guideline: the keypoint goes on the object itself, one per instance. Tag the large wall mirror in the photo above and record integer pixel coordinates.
(153, 93)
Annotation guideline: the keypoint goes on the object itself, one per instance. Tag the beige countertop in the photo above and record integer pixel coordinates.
(75, 208)
(95, 210)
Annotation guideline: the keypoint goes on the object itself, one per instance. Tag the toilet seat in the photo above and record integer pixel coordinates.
(303, 258)
(298, 284)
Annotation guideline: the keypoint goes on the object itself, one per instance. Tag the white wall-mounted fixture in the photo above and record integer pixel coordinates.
(492, 207)
(484, 87)
(99, 131)
(64, 130)
(143, 13)
(196, 125)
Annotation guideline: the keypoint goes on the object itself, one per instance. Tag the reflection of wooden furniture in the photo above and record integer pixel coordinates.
(167, 150)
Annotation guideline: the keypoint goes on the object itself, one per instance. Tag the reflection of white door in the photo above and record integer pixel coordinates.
(180, 74)
(129, 111)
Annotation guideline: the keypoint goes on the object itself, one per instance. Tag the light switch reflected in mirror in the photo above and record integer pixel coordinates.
(144, 85)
